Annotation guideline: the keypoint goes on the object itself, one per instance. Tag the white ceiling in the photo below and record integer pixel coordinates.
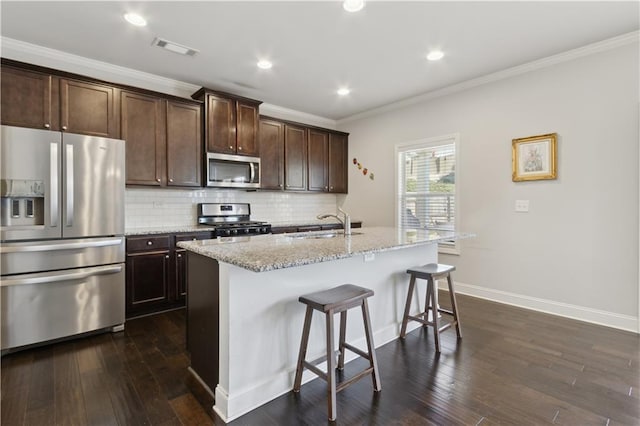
(316, 46)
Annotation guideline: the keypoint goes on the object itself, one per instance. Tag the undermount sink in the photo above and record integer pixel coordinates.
(311, 236)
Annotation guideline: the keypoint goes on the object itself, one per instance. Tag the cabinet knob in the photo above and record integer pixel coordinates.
(280, 185)
(239, 148)
(166, 256)
(64, 127)
(179, 254)
(47, 125)
(331, 187)
(158, 179)
(230, 146)
(149, 243)
(170, 180)
(325, 187)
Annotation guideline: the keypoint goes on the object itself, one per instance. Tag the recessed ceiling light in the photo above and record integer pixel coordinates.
(264, 64)
(343, 91)
(353, 5)
(135, 19)
(435, 55)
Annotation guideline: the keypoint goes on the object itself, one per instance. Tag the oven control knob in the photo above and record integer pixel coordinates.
(234, 231)
(264, 230)
(246, 231)
(227, 232)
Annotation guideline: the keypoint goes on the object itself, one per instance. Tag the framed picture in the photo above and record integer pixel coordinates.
(534, 158)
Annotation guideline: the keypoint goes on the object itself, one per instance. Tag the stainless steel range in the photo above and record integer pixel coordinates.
(230, 219)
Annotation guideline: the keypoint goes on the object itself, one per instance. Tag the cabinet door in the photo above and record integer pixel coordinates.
(148, 281)
(271, 154)
(295, 158)
(221, 125)
(184, 144)
(247, 128)
(338, 161)
(27, 99)
(143, 131)
(318, 162)
(88, 109)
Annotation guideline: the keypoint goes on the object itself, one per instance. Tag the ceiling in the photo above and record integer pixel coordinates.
(317, 47)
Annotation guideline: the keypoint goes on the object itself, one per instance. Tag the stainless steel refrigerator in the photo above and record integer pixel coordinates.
(61, 235)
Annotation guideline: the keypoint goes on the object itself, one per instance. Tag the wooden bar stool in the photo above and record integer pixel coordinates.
(330, 302)
(432, 272)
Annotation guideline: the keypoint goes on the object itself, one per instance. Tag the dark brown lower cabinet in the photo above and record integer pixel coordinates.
(156, 272)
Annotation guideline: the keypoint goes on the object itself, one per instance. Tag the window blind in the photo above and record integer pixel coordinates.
(427, 185)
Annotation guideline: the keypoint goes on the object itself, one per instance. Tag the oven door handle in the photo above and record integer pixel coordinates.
(42, 278)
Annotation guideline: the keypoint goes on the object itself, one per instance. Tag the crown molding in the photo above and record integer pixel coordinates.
(591, 49)
(293, 115)
(51, 58)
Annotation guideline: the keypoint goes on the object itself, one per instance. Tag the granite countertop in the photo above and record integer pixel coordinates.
(198, 228)
(166, 230)
(263, 253)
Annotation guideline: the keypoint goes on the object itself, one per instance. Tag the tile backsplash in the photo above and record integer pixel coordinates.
(176, 207)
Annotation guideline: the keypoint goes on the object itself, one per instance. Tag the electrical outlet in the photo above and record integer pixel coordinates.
(522, 206)
(369, 257)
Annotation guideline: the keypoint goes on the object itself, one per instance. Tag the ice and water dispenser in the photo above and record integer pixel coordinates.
(22, 202)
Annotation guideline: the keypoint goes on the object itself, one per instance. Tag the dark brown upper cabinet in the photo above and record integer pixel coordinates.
(163, 140)
(184, 144)
(143, 124)
(88, 108)
(338, 163)
(318, 152)
(298, 157)
(230, 123)
(271, 154)
(295, 158)
(29, 99)
(44, 101)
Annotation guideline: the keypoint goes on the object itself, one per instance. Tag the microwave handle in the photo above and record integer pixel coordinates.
(253, 172)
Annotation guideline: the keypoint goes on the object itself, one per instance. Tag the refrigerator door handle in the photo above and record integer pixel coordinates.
(53, 191)
(60, 246)
(69, 185)
(49, 278)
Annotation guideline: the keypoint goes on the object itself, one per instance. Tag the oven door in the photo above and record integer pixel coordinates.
(232, 171)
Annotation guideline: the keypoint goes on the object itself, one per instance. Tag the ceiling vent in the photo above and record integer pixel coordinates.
(174, 47)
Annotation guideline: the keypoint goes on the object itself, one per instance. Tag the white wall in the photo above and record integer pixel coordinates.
(576, 252)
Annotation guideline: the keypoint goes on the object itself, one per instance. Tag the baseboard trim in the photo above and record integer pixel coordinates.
(580, 313)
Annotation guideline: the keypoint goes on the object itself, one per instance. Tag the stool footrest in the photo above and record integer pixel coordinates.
(356, 351)
(316, 370)
(420, 320)
(355, 378)
(446, 326)
(445, 311)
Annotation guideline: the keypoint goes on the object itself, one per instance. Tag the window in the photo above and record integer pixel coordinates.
(426, 185)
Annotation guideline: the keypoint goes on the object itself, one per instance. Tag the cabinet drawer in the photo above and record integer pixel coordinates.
(194, 236)
(148, 243)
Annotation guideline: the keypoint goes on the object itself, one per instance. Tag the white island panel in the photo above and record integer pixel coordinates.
(261, 320)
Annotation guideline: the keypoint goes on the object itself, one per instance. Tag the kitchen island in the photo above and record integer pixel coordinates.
(244, 318)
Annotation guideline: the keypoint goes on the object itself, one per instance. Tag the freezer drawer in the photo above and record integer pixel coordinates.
(36, 256)
(39, 307)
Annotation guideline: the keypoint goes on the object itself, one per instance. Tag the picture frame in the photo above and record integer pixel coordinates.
(534, 158)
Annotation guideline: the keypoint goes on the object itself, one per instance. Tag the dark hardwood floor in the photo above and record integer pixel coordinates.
(513, 366)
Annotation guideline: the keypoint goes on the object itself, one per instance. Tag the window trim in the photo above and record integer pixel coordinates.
(444, 248)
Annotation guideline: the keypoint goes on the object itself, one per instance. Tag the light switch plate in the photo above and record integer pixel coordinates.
(369, 257)
(522, 206)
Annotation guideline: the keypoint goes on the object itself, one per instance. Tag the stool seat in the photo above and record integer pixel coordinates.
(432, 272)
(336, 299)
(434, 269)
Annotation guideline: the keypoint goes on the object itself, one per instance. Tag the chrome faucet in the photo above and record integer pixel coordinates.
(346, 221)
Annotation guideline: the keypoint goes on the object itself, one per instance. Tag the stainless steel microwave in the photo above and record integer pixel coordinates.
(232, 171)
